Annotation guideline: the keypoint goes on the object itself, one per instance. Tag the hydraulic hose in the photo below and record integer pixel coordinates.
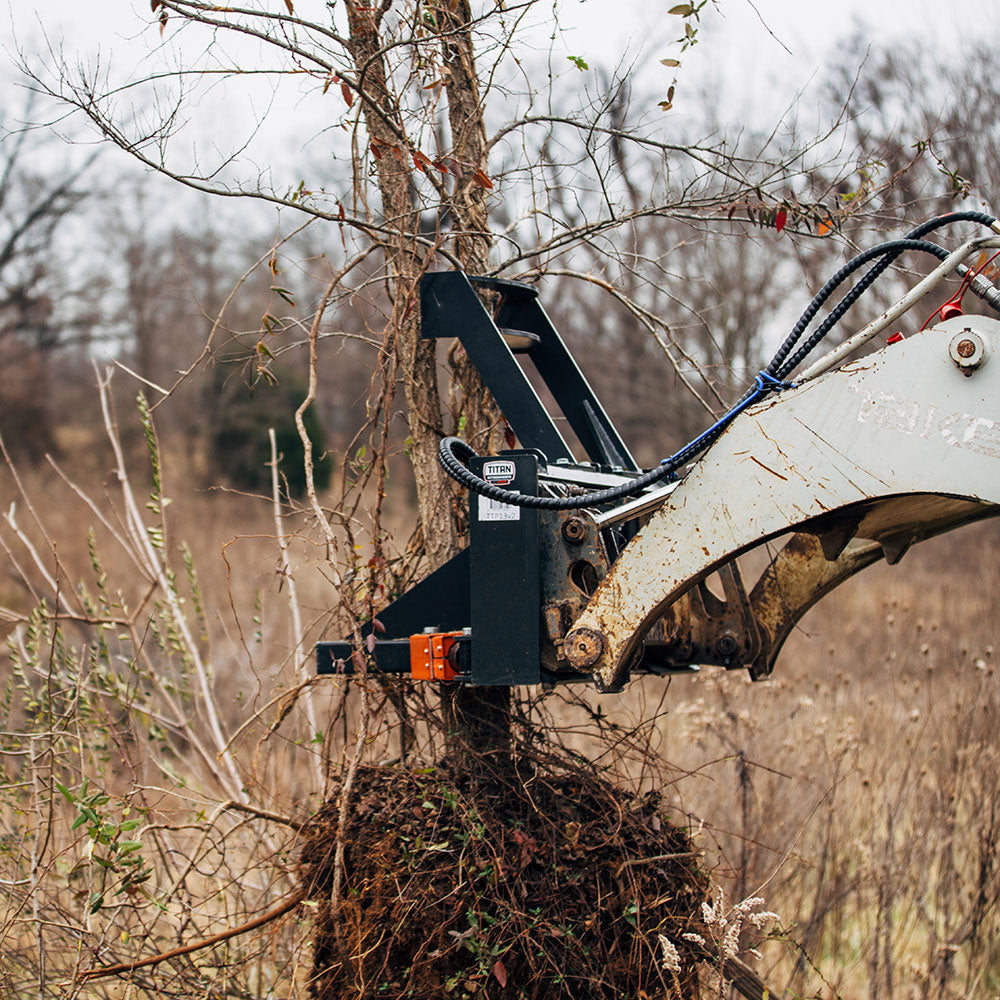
(454, 453)
(777, 368)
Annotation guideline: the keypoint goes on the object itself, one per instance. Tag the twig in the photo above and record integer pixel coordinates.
(660, 857)
(89, 975)
(298, 634)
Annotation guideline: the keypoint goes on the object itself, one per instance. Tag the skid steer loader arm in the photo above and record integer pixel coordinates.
(859, 462)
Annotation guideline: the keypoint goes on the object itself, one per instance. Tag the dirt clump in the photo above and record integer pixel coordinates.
(550, 882)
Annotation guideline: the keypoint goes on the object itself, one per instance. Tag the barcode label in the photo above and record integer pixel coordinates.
(494, 510)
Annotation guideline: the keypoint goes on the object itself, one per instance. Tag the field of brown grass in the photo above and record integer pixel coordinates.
(857, 792)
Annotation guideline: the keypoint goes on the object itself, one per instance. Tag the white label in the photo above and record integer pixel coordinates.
(494, 510)
(498, 473)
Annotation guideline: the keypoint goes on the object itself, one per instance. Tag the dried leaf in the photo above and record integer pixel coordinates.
(483, 180)
(370, 642)
(288, 4)
(670, 62)
(421, 161)
(163, 20)
(346, 93)
(500, 973)
(682, 10)
(378, 626)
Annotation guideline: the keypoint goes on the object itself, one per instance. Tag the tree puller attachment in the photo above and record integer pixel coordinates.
(597, 570)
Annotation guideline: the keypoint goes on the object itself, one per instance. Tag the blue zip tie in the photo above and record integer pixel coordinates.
(764, 384)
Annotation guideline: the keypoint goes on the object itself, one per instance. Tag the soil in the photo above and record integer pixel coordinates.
(546, 882)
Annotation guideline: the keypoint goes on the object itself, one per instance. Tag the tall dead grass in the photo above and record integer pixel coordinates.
(155, 775)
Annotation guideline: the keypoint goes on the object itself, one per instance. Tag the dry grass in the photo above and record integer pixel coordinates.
(858, 792)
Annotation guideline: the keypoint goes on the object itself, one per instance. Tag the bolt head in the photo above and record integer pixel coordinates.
(583, 647)
(726, 646)
(967, 350)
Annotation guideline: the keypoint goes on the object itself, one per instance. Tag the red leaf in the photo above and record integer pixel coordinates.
(288, 4)
(378, 626)
(421, 160)
(483, 180)
(154, 4)
(500, 973)
(780, 219)
(509, 437)
(824, 227)
(346, 93)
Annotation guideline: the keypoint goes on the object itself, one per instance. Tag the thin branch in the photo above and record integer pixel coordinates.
(124, 968)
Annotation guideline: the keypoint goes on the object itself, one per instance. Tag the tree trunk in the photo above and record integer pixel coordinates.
(477, 719)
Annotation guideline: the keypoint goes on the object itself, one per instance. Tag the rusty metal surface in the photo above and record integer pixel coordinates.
(798, 576)
(572, 553)
(701, 628)
(901, 423)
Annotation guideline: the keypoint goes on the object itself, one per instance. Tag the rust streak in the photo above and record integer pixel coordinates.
(768, 469)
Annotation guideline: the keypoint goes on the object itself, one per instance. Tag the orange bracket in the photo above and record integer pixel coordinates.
(429, 656)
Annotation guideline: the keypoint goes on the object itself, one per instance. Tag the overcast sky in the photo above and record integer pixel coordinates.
(756, 58)
(760, 52)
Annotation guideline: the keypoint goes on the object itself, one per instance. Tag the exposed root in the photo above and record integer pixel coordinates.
(548, 881)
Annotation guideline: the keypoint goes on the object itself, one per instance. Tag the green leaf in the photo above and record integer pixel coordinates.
(96, 903)
(66, 793)
(130, 824)
(78, 822)
(128, 846)
(578, 62)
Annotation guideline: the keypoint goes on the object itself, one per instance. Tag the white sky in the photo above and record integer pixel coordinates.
(755, 57)
(760, 53)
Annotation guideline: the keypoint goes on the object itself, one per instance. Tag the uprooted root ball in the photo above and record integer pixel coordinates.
(551, 884)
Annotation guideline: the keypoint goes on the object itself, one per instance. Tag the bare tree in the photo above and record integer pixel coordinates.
(35, 305)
